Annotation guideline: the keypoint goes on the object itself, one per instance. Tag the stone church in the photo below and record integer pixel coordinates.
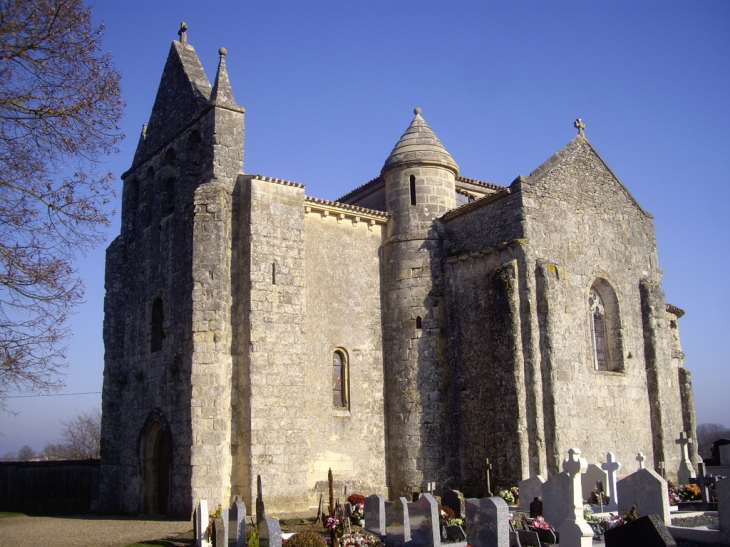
(399, 335)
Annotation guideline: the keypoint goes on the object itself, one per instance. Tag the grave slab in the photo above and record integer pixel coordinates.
(557, 505)
(589, 479)
(423, 519)
(648, 490)
(269, 533)
(238, 513)
(375, 514)
(722, 489)
(647, 531)
(455, 500)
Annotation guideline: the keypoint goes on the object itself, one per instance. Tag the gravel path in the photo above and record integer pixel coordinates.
(92, 531)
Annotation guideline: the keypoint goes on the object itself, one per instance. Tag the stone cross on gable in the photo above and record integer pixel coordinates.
(579, 125)
(640, 458)
(685, 471)
(183, 33)
(611, 467)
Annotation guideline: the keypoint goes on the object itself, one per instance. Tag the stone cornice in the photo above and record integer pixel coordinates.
(480, 183)
(342, 211)
(469, 207)
(275, 180)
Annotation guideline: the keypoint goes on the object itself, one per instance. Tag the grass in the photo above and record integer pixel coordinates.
(4, 514)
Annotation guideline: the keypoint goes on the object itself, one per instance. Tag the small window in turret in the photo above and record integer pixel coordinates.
(419, 323)
(413, 190)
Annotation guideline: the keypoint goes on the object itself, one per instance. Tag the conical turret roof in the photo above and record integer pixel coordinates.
(419, 145)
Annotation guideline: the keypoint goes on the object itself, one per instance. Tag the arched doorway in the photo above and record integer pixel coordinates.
(157, 471)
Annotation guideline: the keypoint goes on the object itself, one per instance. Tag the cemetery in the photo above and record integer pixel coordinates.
(584, 505)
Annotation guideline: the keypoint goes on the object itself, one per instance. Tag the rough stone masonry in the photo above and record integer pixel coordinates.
(398, 335)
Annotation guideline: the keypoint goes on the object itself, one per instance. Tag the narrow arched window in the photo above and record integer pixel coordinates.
(413, 190)
(419, 323)
(339, 379)
(598, 320)
(605, 327)
(157, 331)
(273, 273)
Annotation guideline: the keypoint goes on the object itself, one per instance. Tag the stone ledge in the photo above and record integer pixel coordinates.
(343, 210)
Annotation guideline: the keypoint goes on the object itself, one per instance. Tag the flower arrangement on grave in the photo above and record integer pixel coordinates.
(210, 530)
(587, 511)
(629, 516)
(306, 539)
(598, 498)
(358, 513)
(446, 514)
(511, 495)
(356, 499)
(607, 523)
(358, 539)
(540, 522)
(687, 492)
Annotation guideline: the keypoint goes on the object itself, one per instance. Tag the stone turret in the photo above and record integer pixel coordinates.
(419, 180)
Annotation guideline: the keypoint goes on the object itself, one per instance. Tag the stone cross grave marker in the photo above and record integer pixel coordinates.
(529, 490)
(423, 516)
(375, 514)
(685, 471)
(487, 522)
(704, 481)
(648, 490)
(487, 473)
(640, 458)
(575, 532)
(611, 467)
(238, 511)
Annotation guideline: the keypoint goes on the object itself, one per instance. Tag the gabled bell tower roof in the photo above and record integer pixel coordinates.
(419, 145)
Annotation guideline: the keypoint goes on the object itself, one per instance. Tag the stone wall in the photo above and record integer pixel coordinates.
(343, 311)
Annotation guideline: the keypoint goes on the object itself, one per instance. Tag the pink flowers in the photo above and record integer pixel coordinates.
(332, 524)
(540, 522)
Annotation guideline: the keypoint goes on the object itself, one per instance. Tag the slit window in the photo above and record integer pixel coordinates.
(419, 323)
(273, 273)
(157, 331)
(413, 190)
(339, 379)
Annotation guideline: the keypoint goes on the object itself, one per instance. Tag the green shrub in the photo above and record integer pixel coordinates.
(252, 536)
(306, 539)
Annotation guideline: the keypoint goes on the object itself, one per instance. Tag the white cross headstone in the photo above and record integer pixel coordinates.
(611, 467)
(685, 471)
(640, 458)
(575, 532)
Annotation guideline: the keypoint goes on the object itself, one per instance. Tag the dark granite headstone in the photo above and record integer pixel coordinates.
(238, 513)
(514, 539)
(648, 531)
(715, 459)
(455, 500)
(548, 537)
(529, 538)
(536, 508)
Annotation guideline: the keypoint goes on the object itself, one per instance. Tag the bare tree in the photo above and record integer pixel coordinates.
(26, 453)
(80, 438)
(60, 104)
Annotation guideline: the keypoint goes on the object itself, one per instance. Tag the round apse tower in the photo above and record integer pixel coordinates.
(419, 179)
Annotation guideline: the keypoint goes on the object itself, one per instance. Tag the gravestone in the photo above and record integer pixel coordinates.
(536, 508)
(589, 479)
(611, 468)
(375, 514)
(423, 516)
(685, 471)
(238, 513)
(269, 533)
(574, 531)
(260, 509)
(557, 504)
(647, 531)
(397, 523)
(201, 524)
(725, 454)
(487, 522)
(514, 539)
(454, 500)
(722, 489)
(529, 490)
(648, 490)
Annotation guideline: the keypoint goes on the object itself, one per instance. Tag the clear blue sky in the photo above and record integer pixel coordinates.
(329, 87)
